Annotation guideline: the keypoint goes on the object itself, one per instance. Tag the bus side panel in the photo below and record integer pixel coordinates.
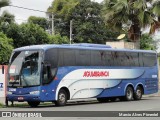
(151, 86)
(120, 89)
(112, 92)
(48, 92)
(150, 80)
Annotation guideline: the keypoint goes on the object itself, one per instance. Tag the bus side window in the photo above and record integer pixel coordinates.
(97, 58)
(140, 59)
(69, 58)
(135, 59)
(149, 59)
(50, 65)
(47, 77)
(83, 57)
(108, 58)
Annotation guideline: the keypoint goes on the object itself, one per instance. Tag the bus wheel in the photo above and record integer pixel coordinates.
(102, 100)
(34, 103)
(138, 93)
(62, 98)
(129, 94)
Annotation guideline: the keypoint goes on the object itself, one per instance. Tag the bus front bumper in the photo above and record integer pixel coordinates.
(22, 98)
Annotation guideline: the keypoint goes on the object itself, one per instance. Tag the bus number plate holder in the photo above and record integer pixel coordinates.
(20, 98)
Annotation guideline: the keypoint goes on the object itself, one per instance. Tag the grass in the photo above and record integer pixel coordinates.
(26, 104)
(1, 105)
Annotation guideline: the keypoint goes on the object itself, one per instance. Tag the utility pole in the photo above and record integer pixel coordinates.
(53, 32)
(70, 31)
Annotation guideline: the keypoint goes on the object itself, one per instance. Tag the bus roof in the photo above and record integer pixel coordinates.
(78, 46)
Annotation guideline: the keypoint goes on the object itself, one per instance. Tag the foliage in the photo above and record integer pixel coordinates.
(5, 48)
(147, 42)
(26, 34)
(1, 105)
(58, 39)
(13, 31)
(62, 8)
(31, 34)
(4, 3)
(7, 18)
(88, 25)
(132, 15)
(41, 21)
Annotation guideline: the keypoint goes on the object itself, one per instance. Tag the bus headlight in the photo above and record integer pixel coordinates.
(34, 92)
(9, 93)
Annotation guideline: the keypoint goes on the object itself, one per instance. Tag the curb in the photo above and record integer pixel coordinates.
(153, 95)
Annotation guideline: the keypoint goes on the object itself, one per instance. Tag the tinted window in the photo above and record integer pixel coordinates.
(133, 59)
(149, 59)
(120, 58)
(97, 58)
(141, 59)
(125, 59)
(79, 57)
(51, 57)
(69, 57)
(108, 58)
(60, 57)
(66, 57)
(83, 57)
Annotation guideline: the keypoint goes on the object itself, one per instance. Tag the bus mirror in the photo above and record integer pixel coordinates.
(2, 69)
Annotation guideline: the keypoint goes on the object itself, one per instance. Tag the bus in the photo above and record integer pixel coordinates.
(58, 73)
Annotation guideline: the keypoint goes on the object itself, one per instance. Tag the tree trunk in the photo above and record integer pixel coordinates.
(134, 33)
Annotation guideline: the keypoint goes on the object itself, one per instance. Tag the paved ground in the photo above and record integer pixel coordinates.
(148, 103)
(2, 100)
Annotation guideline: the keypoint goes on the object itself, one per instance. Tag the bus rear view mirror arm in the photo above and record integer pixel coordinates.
(2, 69)
(4, 63)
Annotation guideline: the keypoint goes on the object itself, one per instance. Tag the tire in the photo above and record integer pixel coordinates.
(102, 100)
(129, 94)
(34, 103)
(138, 93)
(62, 98)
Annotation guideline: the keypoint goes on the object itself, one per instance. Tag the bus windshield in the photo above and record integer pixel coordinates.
(24, 69)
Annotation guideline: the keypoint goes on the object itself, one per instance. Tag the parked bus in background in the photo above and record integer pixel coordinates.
(58, 73)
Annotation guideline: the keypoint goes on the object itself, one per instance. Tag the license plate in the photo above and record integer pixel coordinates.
(20, 98)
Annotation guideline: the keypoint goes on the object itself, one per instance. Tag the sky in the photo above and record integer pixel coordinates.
(21, 15)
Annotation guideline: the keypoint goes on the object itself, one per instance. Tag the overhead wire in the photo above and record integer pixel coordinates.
(26, 9)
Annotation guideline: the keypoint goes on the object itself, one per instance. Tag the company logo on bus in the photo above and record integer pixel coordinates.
(96, 74)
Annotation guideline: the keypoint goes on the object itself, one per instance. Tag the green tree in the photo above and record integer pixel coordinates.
(58, 39)
(4, 3)
(62, 8)
(26, 34)
(41, 21)
(32, 34)
(147, 42)
(13, 31)
(7, 18)
(88, 25)
(5, 48)
(132, 15)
